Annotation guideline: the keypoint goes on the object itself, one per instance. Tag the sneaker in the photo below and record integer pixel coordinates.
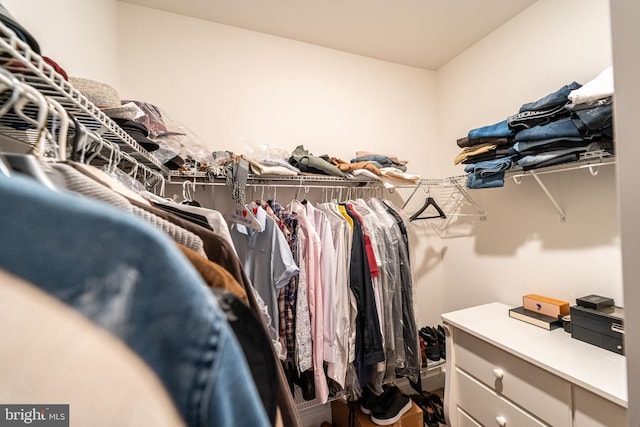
(369, 399)
(391, 408)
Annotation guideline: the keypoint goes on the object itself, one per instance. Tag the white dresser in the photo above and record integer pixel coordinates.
(504, 372)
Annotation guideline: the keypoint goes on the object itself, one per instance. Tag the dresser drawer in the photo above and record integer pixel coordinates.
(594, 411)
(536, 390)
(464, 420)
(487, 407)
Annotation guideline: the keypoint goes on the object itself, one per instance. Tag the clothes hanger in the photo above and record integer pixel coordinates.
(29, 95)
(96, 144)
(430, 201)
(80, 140)
(62, 129)
(28, 164)
(188, 192)
(243, 216)
(150, 180)
(4, 168)
(8, 82)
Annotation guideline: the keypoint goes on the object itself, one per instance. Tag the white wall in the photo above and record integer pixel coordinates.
(523, 247)
(231, 85)
(81, 36)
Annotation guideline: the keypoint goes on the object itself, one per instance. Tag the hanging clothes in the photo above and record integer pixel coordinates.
(130, 279)
(311, 253)
(266, 258)
(394, 340)
(409, 366)
(341, 238)
(328, 265)
(369, 349)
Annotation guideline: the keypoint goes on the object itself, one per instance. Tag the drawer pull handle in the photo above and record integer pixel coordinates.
(501, 421)
(498, 373)
(616, 327)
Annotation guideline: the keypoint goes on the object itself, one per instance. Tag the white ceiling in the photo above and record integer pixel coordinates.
(419, 33)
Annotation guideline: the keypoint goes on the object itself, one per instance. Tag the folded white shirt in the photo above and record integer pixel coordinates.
(259, 168)
(598, 88)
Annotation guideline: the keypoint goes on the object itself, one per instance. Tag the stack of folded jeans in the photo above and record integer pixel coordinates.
(485, 151)
(555, 129)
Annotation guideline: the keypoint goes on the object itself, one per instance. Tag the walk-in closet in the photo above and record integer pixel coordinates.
(318, 214)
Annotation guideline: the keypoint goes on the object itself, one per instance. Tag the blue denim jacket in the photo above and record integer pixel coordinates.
(130, 279)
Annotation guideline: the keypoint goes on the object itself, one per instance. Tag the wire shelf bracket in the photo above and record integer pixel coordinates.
(591, 161)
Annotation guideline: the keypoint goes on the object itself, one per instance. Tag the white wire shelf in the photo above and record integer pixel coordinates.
(206, 178)
(589, 160)
(18, 58)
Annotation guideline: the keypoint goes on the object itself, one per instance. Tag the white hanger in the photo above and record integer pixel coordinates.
(98, 142)
(30, 95)
(8, 82)
(63, 117)
(243, 216)
(188, 190)
(4, 169)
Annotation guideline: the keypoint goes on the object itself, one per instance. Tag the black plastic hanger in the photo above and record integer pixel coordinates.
(430, 201)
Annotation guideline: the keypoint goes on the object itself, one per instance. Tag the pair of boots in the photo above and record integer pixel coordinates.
(304, 380)
(432, 408)
(432, 343)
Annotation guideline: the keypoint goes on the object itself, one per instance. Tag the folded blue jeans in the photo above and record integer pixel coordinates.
(596, 118)
(487, 174)
(499, 130)
(476, 181)
(566, 158)
(557, 129)
(528, 147)
(559, 97)
(528, 119)
(544, 156)
(489, 167)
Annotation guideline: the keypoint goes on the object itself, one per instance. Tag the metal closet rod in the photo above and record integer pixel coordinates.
(318, 181)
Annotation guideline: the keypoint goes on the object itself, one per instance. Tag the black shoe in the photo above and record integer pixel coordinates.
(334, 387)
(290, 373)
(432, 412)
(436, 404)
(439, 330)
(428, 414)
(305, 381)
(369, 399)
(391, 408)
(431, 339)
